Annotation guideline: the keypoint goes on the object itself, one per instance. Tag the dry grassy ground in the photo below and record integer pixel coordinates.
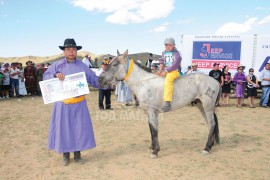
(123, 138)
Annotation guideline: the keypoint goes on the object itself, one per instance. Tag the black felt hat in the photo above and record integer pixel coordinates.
(70, 43)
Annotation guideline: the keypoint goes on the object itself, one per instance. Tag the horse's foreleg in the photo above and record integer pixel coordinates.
(153, 125)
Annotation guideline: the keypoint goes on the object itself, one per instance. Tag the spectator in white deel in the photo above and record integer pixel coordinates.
(87, 61)
(14, 80)
(194, 69)
(265, 77)
(22, 89)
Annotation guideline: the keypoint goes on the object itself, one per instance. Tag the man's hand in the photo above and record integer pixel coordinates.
(60, 76)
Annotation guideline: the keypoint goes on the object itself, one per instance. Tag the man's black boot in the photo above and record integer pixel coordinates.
(66, 158)
(77, 157)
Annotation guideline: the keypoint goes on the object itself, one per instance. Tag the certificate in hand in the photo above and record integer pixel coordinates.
(55, 90)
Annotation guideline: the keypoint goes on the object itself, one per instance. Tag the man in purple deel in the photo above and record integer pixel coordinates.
(71, 127)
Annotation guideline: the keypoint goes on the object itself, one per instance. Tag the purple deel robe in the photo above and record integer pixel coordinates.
(240, 88)
(71, 127)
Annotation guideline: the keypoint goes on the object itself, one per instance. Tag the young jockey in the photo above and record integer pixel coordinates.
(169, 64)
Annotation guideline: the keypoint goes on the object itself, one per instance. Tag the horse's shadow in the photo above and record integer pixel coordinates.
(231, 142)
(173, 146)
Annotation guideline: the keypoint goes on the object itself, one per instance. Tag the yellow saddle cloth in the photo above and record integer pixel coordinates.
(74, 100)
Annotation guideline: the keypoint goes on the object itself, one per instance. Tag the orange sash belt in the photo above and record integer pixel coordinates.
(74, 100)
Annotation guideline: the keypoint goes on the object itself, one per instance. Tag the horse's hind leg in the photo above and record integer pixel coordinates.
(153, 125)
(212, 127)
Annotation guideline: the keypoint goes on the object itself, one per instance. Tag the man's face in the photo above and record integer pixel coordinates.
(216, 67)
(70, 53)
(194, 68)
(169, 47)
(267, 66)
(104, 67)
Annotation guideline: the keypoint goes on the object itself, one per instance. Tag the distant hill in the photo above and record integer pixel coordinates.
(143, 57)
(38, 59)
(50, 59)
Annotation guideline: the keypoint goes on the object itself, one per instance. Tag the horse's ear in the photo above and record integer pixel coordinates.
(126, 53)
(118, 54)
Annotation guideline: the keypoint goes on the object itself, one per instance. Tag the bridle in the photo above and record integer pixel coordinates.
(128, 70)
(129, 63)
(129, 67)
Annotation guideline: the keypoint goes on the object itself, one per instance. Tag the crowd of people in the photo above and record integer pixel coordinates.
(18, 81)
(241, 81)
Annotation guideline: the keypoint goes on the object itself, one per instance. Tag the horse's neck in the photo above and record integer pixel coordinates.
(138, 75)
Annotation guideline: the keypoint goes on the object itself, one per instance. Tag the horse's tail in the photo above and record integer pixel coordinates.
(216, 130)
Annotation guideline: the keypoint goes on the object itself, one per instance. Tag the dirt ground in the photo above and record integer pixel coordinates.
(123, 138)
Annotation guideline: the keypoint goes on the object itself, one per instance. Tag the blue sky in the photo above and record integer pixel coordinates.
(37, 27)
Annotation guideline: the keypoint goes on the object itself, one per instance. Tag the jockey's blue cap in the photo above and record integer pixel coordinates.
(169, 40)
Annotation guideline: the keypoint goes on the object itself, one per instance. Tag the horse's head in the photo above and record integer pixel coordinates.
(116, 70)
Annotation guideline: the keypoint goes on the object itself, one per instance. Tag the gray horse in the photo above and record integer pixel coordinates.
(148, 88)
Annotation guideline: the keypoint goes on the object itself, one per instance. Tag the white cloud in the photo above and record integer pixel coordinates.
(161, 28)
(265, 20)
(240, 28)
(128, 11)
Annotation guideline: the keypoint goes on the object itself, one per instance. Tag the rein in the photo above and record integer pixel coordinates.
(128, 69)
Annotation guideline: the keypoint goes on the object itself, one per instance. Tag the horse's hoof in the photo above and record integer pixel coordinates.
(154, 156)
(205, 152)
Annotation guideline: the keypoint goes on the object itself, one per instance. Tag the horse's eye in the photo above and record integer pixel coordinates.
(116, 64)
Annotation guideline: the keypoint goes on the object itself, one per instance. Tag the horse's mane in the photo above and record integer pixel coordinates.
(146, 69)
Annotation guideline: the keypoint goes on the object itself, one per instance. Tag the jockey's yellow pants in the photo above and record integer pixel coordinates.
(168, 85)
